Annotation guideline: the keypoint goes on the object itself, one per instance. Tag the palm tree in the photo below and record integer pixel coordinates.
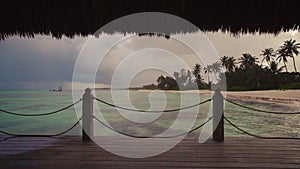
(216, 68)
(231, 64)
(274, 67)
(189, 80)
(282, 56)
(291, 47)
(224, 61)
(176, 75)
(208, 70)
(268, 54)
(183, 78)
(228, 63)
(197, 70)
(161, 82)
(196, 73)
(247, 61)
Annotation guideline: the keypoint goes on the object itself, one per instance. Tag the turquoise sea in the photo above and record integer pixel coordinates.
(30, 102)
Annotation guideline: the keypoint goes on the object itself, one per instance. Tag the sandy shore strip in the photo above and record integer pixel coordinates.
(274, 96)
(279, 96)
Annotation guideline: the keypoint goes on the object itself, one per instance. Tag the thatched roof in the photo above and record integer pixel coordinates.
(72, 17)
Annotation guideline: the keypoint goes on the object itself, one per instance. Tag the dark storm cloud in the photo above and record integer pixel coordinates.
(39, 59)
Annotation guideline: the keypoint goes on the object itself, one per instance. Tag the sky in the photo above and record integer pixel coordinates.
(42, 63)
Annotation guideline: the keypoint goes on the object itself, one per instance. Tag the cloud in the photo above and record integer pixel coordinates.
(43, 62)
(38, 59)
(134, 45)
(226, 44)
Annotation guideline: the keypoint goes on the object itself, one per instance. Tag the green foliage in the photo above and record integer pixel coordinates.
(295, 85)
(251, 76)
(290, 49)
(268, 55)
(166, 83)
(247, 61)
(243, 74)
(228, 63)
(182, 80)
(150, 86)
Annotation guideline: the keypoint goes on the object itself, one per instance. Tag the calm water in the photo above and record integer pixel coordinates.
(45, 101)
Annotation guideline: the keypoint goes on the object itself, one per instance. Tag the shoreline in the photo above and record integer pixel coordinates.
(274, 96)
(269, 96)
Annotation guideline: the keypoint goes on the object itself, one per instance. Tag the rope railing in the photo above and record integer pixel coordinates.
(262, 111)
(257, 136)
(151, 111)
(138, 136)
(259, 110)
(88, 114)
(42, 135)
(42, 114)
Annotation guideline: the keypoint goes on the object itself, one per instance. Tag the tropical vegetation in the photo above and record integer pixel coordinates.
(244, 73)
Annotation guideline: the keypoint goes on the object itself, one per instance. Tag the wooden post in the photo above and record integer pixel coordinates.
(218, 116)
(87, 115)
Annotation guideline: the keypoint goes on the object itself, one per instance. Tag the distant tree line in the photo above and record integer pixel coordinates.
(245, 73)
(183, 79)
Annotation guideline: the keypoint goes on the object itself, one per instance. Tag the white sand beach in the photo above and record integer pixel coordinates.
(269, 95)
(278, 96)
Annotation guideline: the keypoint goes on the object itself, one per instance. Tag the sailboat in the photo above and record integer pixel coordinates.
(59, 89)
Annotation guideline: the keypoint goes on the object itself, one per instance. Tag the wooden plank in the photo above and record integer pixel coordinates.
(70, 152)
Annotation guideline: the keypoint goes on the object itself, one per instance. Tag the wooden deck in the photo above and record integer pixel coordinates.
(70, 152)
